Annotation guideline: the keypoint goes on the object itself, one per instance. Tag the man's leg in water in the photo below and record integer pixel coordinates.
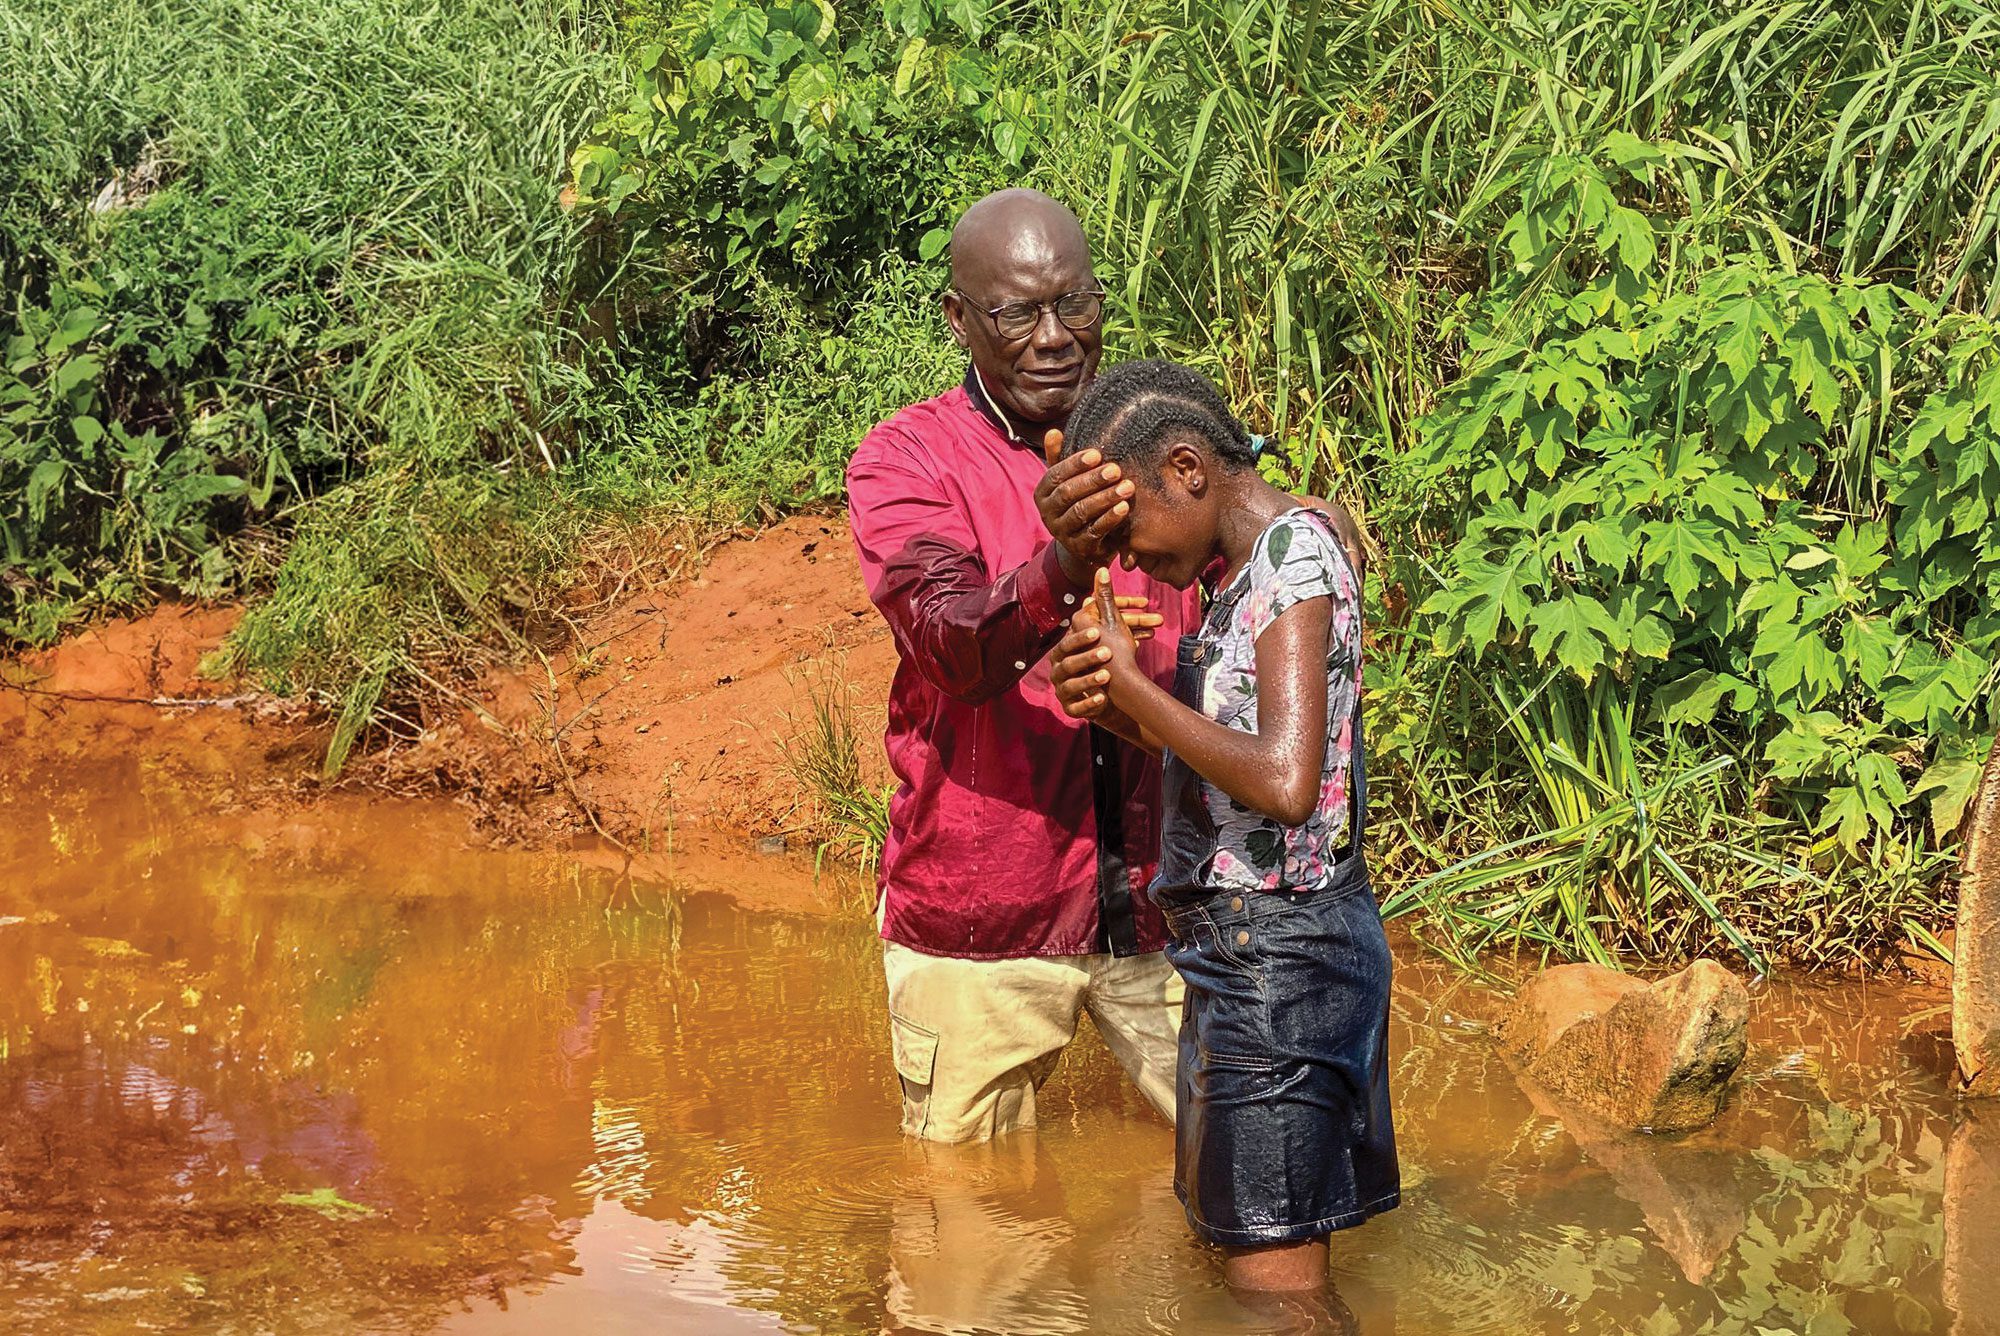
(1136, 1002)
(974, 1039)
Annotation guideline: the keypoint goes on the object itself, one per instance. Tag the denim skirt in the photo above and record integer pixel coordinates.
(1283, 1129)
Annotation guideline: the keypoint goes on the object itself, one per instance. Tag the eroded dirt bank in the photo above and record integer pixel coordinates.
(678, 704)
(663, 727)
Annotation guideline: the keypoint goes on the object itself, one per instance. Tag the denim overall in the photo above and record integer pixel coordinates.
(1283, 1129)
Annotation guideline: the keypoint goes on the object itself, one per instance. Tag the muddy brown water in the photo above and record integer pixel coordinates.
(339, 1072)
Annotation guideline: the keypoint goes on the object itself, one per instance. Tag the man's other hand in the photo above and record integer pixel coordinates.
(1083, 500)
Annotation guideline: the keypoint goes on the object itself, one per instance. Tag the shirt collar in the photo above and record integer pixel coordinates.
(975, 390)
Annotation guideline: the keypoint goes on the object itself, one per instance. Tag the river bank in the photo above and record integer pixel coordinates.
(666, 719)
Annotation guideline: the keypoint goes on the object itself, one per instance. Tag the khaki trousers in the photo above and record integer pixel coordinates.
(975, 1039)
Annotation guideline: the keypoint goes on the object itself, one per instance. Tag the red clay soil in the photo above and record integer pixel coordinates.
(676, 708)
(136, 683)
(671, 713)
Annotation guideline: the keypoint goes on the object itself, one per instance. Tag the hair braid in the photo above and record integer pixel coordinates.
(1134, 411)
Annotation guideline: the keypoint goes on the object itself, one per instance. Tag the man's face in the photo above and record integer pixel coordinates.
(1035, 377)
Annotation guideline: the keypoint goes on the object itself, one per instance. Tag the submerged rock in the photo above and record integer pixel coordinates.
(1693, 1197)
(1975, 975)
(1655, 1057)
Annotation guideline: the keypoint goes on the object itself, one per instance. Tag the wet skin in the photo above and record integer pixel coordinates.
(1199, 511)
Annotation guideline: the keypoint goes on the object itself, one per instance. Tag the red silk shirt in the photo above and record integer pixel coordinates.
(1016, 830)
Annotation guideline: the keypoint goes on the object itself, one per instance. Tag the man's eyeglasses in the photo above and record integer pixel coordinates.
(1017, 320)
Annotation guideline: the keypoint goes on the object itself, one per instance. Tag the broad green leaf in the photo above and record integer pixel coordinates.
(1728, 497)
(43, 480)
(73, 373)
(1845, 813)
(1692, 699)
(1879, 774)
(1609, 542)
(1802, 748)
(907, 67)
(1950, 782)
(1631, 233)
(1576, 629)
(1651, 638)
(1677, 549)
(1870, 643)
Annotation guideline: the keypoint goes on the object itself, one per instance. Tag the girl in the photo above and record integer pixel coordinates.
(1283, 1130)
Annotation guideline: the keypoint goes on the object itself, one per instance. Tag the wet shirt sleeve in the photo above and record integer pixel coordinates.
(1299, 560)
(970, 633)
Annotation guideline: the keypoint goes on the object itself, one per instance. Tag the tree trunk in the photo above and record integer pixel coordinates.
(1975, 980)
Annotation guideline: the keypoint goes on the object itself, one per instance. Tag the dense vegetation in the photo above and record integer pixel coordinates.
(1656, 342)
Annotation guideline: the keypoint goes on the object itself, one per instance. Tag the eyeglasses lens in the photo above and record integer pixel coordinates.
(1077, 310)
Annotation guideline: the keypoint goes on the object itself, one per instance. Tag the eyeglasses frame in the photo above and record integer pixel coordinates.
(993, 313)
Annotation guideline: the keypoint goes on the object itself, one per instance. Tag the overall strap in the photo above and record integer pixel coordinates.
(1357, 766)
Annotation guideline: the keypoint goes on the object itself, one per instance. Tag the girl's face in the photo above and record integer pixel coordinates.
(1171, 533)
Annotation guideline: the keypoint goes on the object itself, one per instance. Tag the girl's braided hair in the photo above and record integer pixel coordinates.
(1134, 411)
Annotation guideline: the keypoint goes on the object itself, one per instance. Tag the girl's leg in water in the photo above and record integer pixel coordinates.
(1277, 1268)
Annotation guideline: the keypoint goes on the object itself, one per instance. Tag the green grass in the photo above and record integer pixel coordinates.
(353, 260)
(386, 385)
(845, 815)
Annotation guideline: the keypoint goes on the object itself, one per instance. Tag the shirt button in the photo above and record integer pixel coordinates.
(1098, 759)
(1020, 667)
(1236, 903)
(1243, 939)
(1069, 598)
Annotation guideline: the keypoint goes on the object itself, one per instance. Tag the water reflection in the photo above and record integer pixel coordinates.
(561, 1100)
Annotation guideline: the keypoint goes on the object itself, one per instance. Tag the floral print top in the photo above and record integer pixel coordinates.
(1297, 557)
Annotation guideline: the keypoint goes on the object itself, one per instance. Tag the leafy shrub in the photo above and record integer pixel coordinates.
(1759, 500)
(797, 143)
(1678, 482)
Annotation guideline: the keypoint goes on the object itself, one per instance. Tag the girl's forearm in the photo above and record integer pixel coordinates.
(1117, 721)
(1246, 766)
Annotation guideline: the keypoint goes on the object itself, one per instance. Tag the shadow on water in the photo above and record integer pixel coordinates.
(340, 1073)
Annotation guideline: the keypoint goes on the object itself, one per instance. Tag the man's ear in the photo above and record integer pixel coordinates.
(954, 315)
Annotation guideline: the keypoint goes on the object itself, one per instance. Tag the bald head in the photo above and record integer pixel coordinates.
(1020, 225)
(1021, 246)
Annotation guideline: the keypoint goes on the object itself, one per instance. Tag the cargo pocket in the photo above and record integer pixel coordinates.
(915, 1052)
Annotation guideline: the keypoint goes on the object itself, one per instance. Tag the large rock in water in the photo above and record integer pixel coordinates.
(1650, 1056)
(1975, 975)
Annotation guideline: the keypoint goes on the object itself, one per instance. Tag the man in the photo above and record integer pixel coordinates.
(1020, 841)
